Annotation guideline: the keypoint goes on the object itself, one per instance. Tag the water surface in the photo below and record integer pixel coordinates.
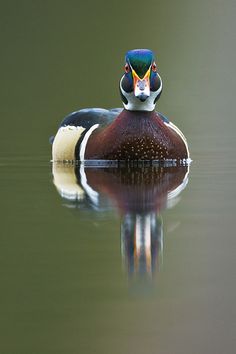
(70, 280)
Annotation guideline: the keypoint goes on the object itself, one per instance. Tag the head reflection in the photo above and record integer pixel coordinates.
(138, 193)
(141, 242)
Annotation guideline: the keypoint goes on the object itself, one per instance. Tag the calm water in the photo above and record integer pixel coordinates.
(116, 261)
(122, 264)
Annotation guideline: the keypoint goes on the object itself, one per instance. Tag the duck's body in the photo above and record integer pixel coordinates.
(136, 136)
(137, 132)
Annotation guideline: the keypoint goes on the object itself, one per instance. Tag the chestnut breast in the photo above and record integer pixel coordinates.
(136, 135)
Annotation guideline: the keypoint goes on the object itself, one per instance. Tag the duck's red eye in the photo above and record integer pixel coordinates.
(154, 66)
(127, 69)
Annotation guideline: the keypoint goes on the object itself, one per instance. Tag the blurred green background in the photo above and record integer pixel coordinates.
(62, 286)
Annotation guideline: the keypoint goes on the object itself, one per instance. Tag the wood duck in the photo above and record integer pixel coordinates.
(137, 132)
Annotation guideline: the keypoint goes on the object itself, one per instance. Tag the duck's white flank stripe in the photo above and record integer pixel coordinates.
(63, 148)
(85, 140)
(178, 131)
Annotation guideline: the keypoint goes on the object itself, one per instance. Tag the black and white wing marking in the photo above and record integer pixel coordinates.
(75, 129)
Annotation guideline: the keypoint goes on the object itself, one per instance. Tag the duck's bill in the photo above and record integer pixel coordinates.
(141, 86)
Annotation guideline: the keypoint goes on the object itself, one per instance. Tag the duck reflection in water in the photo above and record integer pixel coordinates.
(138, 193)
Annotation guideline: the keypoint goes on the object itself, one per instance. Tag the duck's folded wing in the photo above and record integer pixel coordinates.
(75, 126)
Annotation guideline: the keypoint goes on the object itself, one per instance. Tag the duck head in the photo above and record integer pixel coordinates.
(141, 85)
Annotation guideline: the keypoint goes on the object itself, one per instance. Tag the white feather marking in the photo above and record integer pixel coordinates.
(178, 131)
(85, 140)
(63, 148)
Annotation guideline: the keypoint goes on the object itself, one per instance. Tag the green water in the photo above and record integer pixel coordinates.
(65, 286)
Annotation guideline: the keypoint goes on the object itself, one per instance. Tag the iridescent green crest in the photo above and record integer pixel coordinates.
(140, 60)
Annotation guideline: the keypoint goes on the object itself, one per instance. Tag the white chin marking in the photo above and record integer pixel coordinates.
(134, 104)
